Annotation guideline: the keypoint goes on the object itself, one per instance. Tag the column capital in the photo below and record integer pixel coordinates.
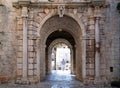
(97, 17)
(24, 12)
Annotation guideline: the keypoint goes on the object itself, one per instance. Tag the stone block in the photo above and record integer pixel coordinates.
(92, 32)
(91, 42)
(20, 42)
(35, 66)
(20, 36)
(30, 22)
(90, 54)
(103, 72)
(19, 72)
(87, 72)
(92, 72)
(20, 27)
(30, 54)
(91, 66)
(101, 22)
(90, 48)
(20, 48)
(35, 72)
(30, 32)
(91, 22)
(19, 60)
(92, 27)
(19, 22)
(30, 42)
(30, 48)
(19, 66)
(30, 66)
(31, 60)
(30, 72)
(102, 66)
(30, 27)
(20, 54)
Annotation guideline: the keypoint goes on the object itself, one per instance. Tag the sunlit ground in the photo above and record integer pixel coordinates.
(61, 72)
(60, 75)
(57, 79)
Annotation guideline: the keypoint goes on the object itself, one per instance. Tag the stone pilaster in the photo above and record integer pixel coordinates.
(25, 42)
(97, 53)
(38, 59)
(84, 57)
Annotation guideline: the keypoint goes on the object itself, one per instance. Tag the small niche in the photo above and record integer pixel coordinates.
(111, 69)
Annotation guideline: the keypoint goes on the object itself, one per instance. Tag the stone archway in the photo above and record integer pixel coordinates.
(68, 24)
(43, 18)
(53, 43)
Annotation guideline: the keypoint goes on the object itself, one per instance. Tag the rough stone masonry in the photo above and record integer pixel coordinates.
(26, 27)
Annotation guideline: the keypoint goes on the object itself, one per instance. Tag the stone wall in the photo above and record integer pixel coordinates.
(110, 42)
(7, 43)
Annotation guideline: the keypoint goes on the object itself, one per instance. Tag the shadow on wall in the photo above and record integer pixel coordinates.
(115, 83)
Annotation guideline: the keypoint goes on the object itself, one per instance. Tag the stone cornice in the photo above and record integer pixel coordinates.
(28, 3)
(55, 5)
(100, 3)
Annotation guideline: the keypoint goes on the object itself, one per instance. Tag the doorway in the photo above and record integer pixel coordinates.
(60, 63)
(61, 58)
(60, 30)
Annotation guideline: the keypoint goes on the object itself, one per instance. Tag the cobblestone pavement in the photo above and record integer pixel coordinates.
(51, 85)
(56, 80)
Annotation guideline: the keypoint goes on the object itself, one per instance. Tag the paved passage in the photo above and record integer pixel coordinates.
(57, 79)
(60, 75)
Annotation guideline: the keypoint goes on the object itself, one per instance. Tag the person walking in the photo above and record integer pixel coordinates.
(63, 64)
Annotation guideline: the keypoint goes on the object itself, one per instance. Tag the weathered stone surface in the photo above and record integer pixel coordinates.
(78, 22)
(7, 43)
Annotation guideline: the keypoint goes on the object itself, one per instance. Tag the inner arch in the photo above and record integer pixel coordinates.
(59, 37)
(60, 34)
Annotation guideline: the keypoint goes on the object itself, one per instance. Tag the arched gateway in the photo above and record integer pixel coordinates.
(65, 28)
(40, 25)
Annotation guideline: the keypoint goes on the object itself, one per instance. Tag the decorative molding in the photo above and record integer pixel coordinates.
(19, 4)
(61, 10)
(81, 9)
(100, 3)
(47, 11)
